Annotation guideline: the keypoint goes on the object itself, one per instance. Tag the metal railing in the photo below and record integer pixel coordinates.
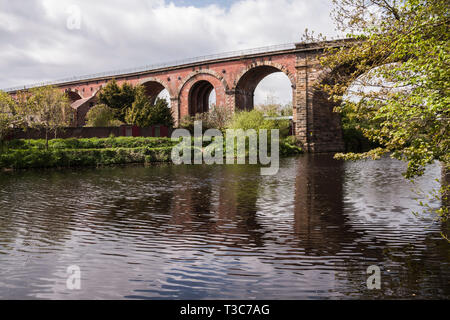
(231, 54)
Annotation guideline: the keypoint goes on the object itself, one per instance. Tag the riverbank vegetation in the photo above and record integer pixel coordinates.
(397, 93)
(48, 108)
(44, 108)
(22, 154)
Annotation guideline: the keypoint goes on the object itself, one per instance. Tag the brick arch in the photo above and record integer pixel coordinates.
(248, 79)
(191, 77)
(73, 95)
(154, 86)
(279, 66)
(217, 82)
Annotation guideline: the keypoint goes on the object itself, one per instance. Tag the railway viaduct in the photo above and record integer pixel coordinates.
(234, 76)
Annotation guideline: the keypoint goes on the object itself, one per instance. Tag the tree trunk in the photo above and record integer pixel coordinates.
(46, 139)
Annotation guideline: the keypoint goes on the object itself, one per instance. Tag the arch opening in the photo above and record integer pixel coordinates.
(263, 85)
(165, 95)
(154, 90)
(73, 96)
(274, 95)
(201, 97)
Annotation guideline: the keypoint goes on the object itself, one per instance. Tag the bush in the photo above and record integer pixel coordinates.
(255, 120)
(143, 114)
(218, 118)
(101, 116)
(140, 112)
(187, 122)
(92, 143)
(34, 158)
(118, 98)
(161, 114)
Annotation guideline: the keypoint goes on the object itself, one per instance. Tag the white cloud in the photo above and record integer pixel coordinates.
(36, 45)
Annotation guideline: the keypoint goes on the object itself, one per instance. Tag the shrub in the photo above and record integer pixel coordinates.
(119, 98)
(218, 117)
(255, 120)
(92, 143)
(34, 158)
(140, 112)
(101, 116)
(161, 114)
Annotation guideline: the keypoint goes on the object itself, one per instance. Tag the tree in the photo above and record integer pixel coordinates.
(402, 100)
(140, 112)
(143, 114)
(219, 117)
(161, 114)
(118, 98)
(48, 108)
(9, 117)
(101, 116)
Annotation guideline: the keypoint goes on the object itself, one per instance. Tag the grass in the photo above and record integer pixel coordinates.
(23, 154)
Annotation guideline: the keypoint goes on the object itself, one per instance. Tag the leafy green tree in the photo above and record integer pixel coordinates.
(403, 53)
(400, 64)
(48, 108)
(143, 114)
(118, 98)
(140, 112)
(10, 117)
(161, 114)
(101, 116)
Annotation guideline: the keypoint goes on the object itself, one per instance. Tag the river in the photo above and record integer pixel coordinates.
(221, 232)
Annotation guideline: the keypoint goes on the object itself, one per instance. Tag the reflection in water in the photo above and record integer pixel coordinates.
(195, 232)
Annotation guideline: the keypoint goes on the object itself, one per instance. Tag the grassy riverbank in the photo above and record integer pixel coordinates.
(23, 154)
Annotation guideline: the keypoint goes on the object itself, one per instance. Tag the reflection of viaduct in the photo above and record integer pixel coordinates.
(234, 78)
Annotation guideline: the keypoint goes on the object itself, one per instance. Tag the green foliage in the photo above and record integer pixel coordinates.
(33, 158)
(286, 110)
(140, 112)
(105, 151)
(255, 120)
(354, 139)
(48, 108)
(92, 143)
(290, 146)
(403, 52)
(275, 109)
(9, 117)
(143, 114)
(161, 114)
(101, 116)
(400, 65)
(118, 98)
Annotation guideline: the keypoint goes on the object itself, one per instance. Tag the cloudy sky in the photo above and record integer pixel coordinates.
(52, 39)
